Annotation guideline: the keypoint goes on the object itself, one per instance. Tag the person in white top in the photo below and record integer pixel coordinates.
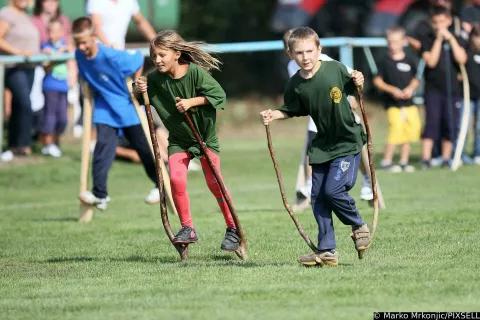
(292, 67)
(112, 17)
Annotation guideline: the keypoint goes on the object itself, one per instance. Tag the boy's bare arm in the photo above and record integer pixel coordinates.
(269, 115)
(433, 56)
(385, 87)
(413, 85)
(459, 53)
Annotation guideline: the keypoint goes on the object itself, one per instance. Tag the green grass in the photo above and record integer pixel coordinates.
(122, 266)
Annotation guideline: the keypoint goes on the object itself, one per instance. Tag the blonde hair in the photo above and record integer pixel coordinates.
(190, 51)
(302, 33)
(396, 29)
(29, 5)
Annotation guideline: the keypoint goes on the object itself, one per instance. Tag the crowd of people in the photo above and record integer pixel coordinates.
(37, 97)
(445, 43)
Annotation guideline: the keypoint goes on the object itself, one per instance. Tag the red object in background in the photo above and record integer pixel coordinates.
(312, 6)
(395, 7)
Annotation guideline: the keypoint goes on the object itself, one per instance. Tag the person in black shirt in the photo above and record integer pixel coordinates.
(396, 79)
(471, 15)
(473, 71)
(442, 52)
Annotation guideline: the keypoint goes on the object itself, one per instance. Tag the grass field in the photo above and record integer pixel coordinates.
(121, 266)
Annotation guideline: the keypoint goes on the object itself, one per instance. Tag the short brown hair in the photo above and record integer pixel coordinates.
(81, 24)
(302, 33)
(53, 21)
(475, 32)
(395, 29)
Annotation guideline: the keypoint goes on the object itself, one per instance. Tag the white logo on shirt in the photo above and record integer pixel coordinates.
(132, 52)
(103, 77)
(404, 67)
(476, 58)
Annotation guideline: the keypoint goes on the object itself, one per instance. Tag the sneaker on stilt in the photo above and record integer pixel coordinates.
(89, 198)
(319, 259)
(304, 192)
(186, 235)
(231, 241)
(361, 238)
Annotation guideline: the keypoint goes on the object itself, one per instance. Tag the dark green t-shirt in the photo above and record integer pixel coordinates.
(324, 98)
(162, 90)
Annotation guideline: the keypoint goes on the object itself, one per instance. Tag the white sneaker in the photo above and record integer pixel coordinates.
(93, 143)
(304, 192)
(366, 193)
(52, 150)
(407, 168)
(154, 196)
(193, 166)
(476, 160)
(436, 162)
(89, 198)
(7, 156)
(77, 131)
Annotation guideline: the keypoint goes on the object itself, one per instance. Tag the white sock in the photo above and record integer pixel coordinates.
(366, 181)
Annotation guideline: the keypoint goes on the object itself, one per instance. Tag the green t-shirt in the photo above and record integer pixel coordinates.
(162, 90)
(324, 98)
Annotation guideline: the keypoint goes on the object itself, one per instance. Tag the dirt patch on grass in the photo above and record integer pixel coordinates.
(23, 161)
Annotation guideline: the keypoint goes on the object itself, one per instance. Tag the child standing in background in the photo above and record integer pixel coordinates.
(473, 70)
(55, 89)
(396, 78)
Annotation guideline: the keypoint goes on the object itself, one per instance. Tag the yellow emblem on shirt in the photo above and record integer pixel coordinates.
(336, 94)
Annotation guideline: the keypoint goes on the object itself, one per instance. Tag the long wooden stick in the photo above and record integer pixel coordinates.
(182, 249)
(370, 162)
(144, 123)
(462, 135)
(284, 197)
(242, 249)
(86, 210)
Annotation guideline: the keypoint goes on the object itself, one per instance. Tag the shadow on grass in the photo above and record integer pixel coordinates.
(64, 219)
(198, 261)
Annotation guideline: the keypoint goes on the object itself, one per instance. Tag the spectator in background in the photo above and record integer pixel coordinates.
(55, 90)
(442, 52)
(112, 17)
(471, 15)
(396, 78)
(424, 28)
(18, 36)
(46, 10)
(43, 12)
(473, 70)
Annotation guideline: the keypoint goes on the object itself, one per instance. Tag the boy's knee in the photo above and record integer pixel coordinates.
(330, 193)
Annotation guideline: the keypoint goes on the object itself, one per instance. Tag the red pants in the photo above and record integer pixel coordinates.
(178, 165)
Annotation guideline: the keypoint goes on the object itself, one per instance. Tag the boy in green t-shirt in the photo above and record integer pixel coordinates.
(320, 89)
